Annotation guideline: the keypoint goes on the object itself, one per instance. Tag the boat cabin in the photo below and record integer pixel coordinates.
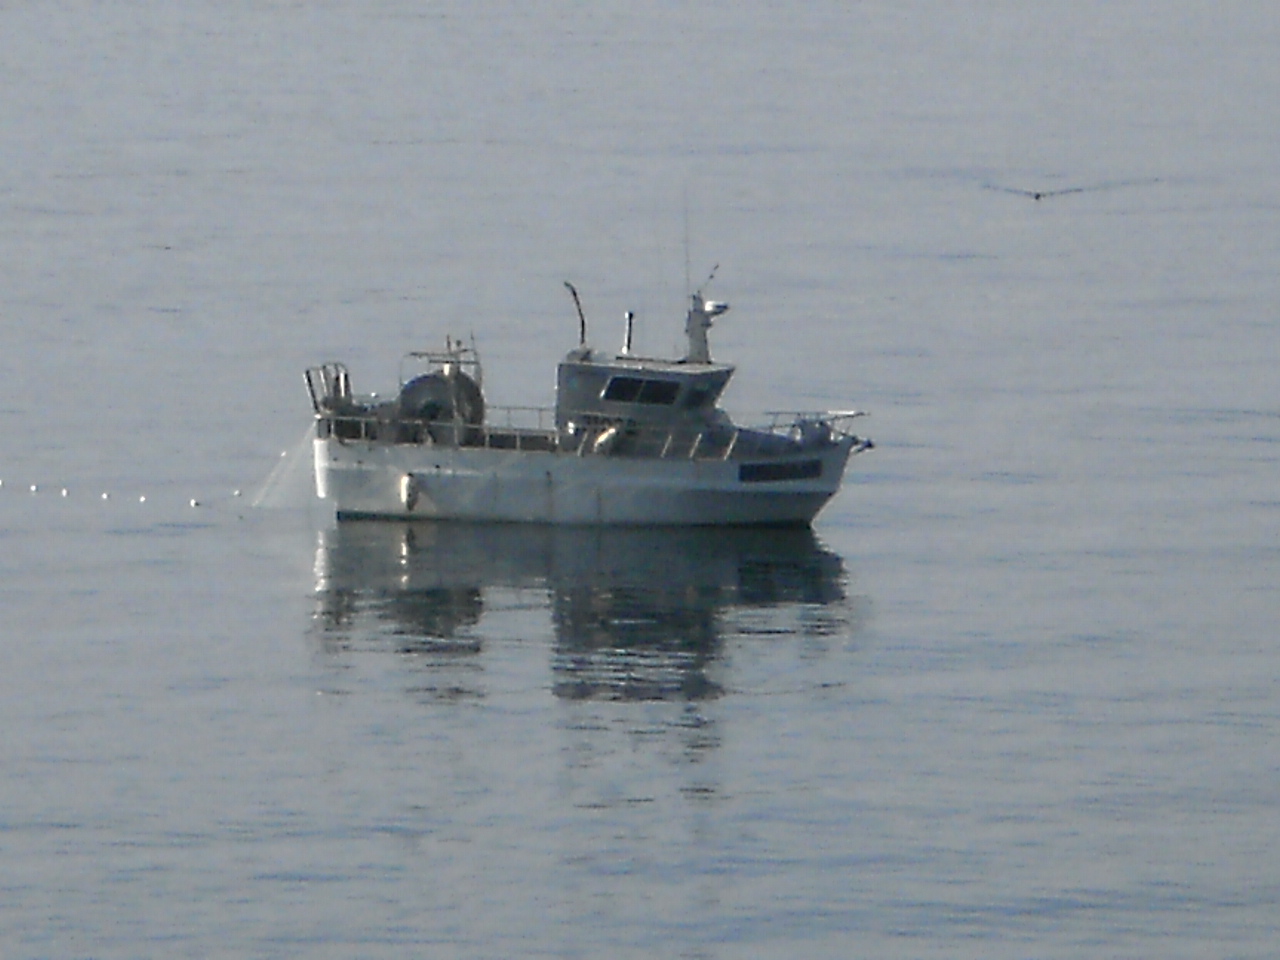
(596, 389)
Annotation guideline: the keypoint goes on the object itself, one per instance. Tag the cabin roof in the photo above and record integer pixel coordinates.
(630, 364)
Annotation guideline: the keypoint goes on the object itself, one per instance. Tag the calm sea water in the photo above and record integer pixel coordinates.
(1015, 696)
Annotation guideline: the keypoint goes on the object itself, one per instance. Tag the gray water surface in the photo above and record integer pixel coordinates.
(1015, 696)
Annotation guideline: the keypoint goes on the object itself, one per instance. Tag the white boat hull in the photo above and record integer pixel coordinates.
(399, 481)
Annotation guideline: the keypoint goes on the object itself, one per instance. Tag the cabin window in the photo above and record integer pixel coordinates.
(786, 470)
(699, 396)
(639, 390)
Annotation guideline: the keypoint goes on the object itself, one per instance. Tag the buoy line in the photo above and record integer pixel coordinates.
(71, 493)
(46, 491)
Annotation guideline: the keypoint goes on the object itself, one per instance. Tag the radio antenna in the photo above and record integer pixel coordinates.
(687, 289)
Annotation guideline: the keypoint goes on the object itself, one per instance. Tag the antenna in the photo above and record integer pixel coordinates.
(687, 289)
(582, 318)
(626, 340)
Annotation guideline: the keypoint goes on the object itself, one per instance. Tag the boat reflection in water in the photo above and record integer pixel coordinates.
(635, 613)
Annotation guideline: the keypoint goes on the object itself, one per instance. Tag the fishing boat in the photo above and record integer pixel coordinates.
(631, 440)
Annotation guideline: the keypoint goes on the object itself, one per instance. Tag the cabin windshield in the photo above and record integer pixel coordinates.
(641, 390)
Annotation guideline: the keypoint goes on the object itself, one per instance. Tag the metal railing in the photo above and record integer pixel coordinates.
(533, 429)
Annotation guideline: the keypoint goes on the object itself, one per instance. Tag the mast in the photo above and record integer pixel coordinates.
(698, 322)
